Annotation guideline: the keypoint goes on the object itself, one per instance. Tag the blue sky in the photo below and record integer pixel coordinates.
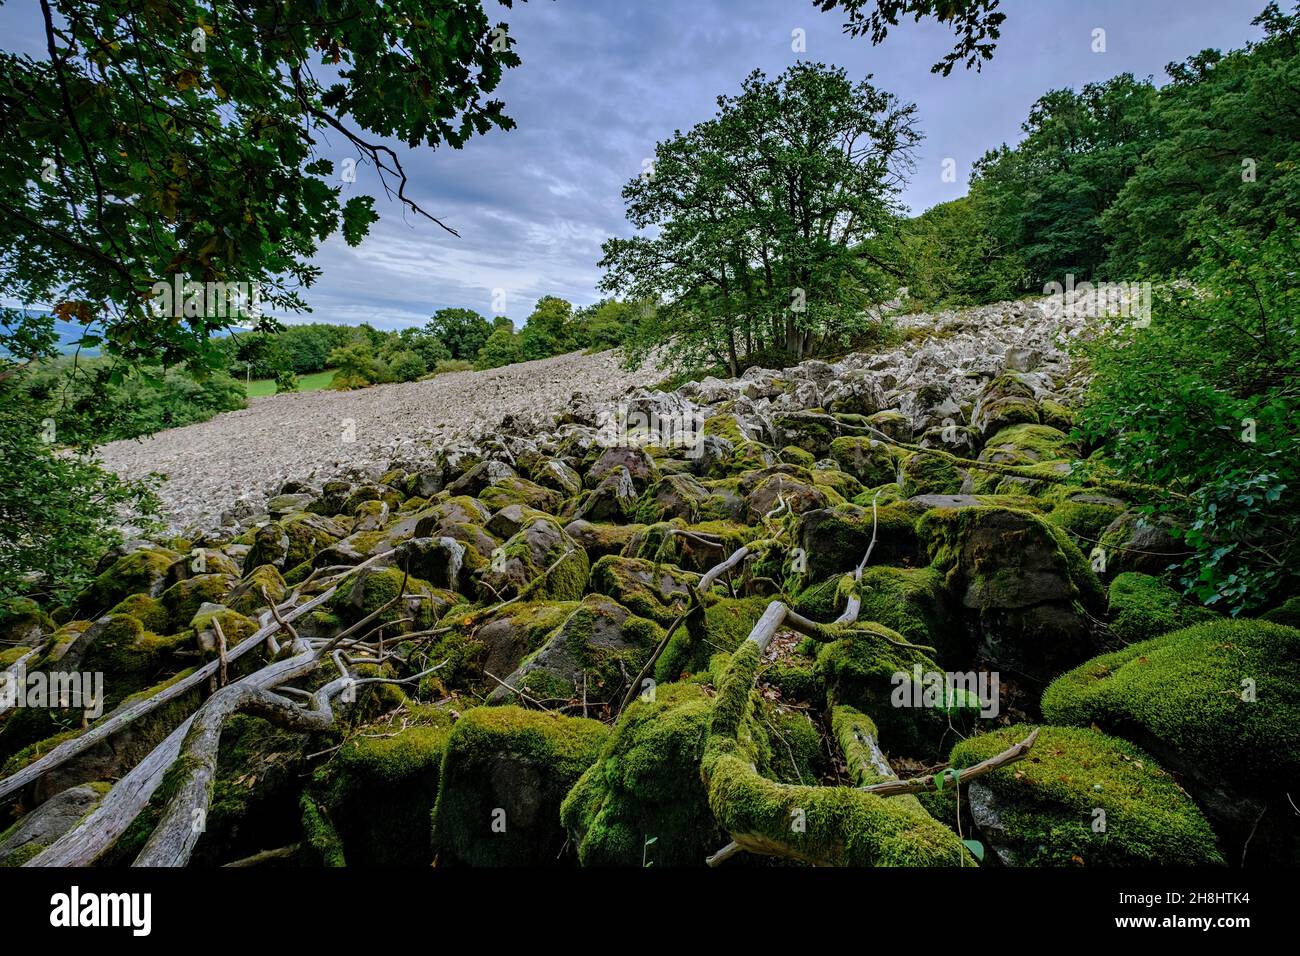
(603, 80)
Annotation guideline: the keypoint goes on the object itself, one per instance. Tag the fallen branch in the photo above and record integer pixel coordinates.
(894, 788)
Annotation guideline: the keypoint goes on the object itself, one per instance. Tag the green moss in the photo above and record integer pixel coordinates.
(1047, 806)
(655, 591)
(794, 455)
(986, 547)
(926, 474)
(131, 658)
(864, 670)
(246, 596)
(835, 539)
(148, 611)
(827, 825)
(322, 840)
(844, 485)
(140, 572)
(1029, 442)
(824, 602)
(504, 775)
(1287, 613)
(1083, 521)
(1142, 607)
(866, 459)
(379, 788)
(915, 603)
(520, 491)
(1180, 696)
(725, 624)
(380, 586)
(20, 856)
(646, 783)
(183, 599)
(724, 426)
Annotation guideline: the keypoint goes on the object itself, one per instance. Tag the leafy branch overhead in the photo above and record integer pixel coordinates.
(208, 141)
(975, 23)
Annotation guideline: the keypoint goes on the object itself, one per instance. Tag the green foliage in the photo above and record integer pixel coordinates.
(1227, 156)
(760, 227)
(406, 366)
(91, 402)
(58, 512)
(357, 366)
(181, 138)
(501, 348)
(548, 331)
(1043, 200)
(949, 257)
(1218, 423)
(462, 331)
(974, 22)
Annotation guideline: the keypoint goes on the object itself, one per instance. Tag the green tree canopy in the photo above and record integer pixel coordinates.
(761, 227)
(462, 331)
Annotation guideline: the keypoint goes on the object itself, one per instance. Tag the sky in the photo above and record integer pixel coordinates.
(603, 80)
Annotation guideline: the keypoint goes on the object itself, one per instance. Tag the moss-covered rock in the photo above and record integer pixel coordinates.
(1217, 703)
(1083, 798)
(505, 773)
(873, 675)
(927, 474)
(151, 612)
(246, 597)
(376, 588)
(835, 539)
(600, 646)
(1142, 607)
(673, 496)
(794, 455)
(1288, 613)
(1085, 518)
(184, 598)
(600, 539)
(129, 656)
(541, 560)
(646, 785)
(656, 591)
(378, 790)
(520, 491)
(726, 622)
(1028, 593)
(143, 571)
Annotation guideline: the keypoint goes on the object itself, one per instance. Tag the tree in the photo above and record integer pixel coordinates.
(1218, 424)
(767, 221)
(406, 366)
(49, 552)
(463, 331)
(1227, 156)
(950, 257)
(974, 21)
(356, 364)
(549, 329)
(1046, 197)
(501, 348)
(174, 141)
(608, 323)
